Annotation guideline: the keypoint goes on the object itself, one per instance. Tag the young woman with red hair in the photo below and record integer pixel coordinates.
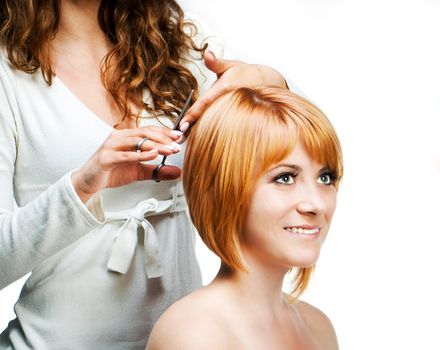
(261, 174)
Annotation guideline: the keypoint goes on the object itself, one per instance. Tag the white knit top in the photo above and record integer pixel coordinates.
(102, 273)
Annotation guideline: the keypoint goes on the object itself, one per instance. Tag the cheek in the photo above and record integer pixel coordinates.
(265, 214)
(258, 217)
(330, 203)
(266, 205)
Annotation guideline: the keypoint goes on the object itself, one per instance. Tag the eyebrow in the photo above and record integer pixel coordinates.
(295, 167)
(286, 165)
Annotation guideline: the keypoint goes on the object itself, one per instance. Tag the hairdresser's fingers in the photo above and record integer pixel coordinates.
(199, 107)
(131, 172)
(158, 134)
(167, 172)
(108, 161)
(217, 65)
(231, 75)
(138, 144)
(131, 142)
(166, 132)
(126, 173)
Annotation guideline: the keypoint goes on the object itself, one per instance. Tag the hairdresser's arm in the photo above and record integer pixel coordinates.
(231, 74)
(34, 231)
(52, 221)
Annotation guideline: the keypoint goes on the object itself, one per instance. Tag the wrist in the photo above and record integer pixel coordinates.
(80, 187)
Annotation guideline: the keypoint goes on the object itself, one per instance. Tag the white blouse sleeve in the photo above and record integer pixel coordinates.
(55, 219)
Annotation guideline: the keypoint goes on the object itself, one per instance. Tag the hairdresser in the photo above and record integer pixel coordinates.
(89, 93)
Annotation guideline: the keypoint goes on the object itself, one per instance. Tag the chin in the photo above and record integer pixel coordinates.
(304, 258)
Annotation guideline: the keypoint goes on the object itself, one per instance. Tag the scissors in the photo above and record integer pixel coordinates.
(176, 127)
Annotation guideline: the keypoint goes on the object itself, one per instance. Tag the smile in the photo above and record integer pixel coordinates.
(303, 231)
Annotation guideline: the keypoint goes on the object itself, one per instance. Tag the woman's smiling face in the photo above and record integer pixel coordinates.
(290, 212)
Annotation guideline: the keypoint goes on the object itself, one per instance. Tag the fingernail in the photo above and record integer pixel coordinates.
(176, 133)
(184, 127)
(179, 147)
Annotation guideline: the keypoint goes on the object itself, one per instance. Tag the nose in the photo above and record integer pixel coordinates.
(311, 202)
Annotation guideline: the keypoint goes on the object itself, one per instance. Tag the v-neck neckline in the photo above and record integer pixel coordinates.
(64, 87)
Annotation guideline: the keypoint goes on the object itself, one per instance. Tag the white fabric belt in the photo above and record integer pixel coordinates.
(124, 244)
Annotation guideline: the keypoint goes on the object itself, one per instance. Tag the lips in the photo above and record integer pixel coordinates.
(309, 231)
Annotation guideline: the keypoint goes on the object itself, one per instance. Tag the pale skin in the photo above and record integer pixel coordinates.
(77, 52)
(248, 310)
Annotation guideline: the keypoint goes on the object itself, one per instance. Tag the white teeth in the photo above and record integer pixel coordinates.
(303, 231)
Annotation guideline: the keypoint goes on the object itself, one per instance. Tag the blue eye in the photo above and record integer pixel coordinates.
(326, 179)
(285, 179)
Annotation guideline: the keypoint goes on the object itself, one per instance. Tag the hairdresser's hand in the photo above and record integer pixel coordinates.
(116, 162)
(230, 75)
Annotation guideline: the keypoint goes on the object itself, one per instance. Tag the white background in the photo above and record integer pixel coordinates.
(374, 68)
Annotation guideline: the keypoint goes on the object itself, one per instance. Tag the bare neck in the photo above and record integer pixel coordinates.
(260, 285)
(77, 53)
(79, 28)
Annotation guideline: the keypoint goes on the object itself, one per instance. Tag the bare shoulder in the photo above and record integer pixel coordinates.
(319, 324)
(191, 323)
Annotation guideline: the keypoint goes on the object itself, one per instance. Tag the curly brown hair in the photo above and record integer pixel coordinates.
(150, 40)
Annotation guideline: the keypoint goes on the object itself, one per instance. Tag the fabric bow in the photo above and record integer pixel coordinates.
(124, 244)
